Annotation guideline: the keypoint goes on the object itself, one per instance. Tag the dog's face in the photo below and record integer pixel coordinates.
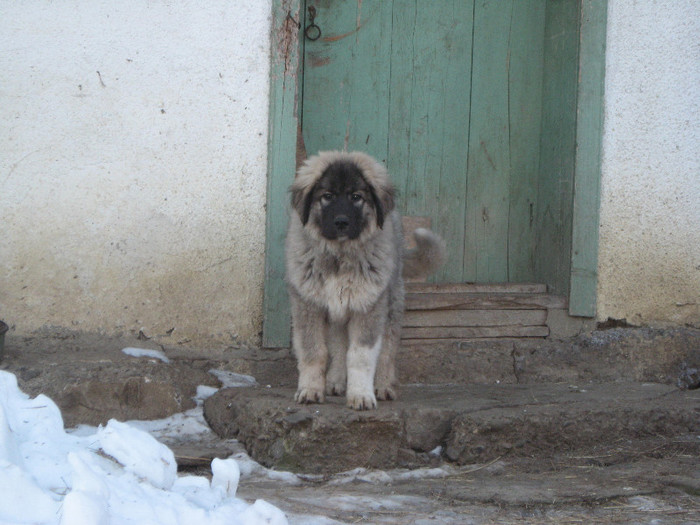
(342, 204)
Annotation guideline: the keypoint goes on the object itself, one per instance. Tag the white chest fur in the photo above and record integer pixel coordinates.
(342, 279)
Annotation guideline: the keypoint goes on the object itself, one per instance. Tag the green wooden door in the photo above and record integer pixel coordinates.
(448, 94)
(487, 113)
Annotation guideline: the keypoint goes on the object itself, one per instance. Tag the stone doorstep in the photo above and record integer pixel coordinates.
(471, 424)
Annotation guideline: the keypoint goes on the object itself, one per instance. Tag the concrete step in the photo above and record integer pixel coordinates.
(456, 423)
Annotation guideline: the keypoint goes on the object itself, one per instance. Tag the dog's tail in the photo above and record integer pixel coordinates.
(426, 257)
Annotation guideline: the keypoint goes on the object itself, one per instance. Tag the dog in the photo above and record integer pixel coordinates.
(345, 265)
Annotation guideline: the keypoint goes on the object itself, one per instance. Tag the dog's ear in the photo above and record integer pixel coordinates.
(383, 200)
(301, 202)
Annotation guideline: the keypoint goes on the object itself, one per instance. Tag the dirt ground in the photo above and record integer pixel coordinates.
(629, 477)
(654, 485)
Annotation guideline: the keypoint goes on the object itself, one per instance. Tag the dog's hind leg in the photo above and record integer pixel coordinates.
(336, 376)
(385, 382)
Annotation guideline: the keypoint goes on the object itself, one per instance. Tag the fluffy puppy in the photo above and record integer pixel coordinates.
(344, 260)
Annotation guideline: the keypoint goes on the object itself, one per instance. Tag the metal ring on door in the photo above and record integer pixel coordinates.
(312, 31)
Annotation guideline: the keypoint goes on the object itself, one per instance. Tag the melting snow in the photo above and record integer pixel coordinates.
(116, 474)
(143, 352)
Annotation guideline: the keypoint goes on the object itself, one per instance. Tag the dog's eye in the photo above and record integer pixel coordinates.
(356, 197)
(327, 197)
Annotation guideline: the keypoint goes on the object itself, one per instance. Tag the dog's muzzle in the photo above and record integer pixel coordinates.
(342, 223)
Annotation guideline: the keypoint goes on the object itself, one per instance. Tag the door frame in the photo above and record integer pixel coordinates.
(282, 161)
(281, 166)
(587, 160)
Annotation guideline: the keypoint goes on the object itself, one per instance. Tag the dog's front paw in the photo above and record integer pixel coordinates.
(365, 401)
(385, 393)
(309, 395)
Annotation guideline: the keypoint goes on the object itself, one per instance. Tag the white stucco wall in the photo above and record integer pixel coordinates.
(133, 166)
(649, 260)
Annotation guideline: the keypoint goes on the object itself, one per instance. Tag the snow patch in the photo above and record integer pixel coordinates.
(144, 352)
(116, 475)
(225, 474)
(138, 452)
(204, 392)
(232, 379)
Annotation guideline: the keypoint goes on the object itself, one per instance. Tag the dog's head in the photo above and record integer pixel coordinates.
(342, 195)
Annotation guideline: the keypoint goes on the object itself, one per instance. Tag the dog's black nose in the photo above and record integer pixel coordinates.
(342, 222)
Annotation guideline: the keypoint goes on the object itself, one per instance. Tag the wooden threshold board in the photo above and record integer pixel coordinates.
(455, 312)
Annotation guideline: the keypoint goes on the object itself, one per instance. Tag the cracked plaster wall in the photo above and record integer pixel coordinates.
(133, 166)
(649, 260)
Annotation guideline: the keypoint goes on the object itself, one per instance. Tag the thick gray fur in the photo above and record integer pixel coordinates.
(347, 296)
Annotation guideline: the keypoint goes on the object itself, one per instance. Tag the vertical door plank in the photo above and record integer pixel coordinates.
(558, 142)
(451, 145)
(327, 84)
(525, 116)
(418, 121)
(401, 103)
(431, 69)
(486, 253)
(346, 78)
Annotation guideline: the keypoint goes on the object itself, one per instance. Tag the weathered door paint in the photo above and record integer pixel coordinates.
(449, 95)
(487, 113)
